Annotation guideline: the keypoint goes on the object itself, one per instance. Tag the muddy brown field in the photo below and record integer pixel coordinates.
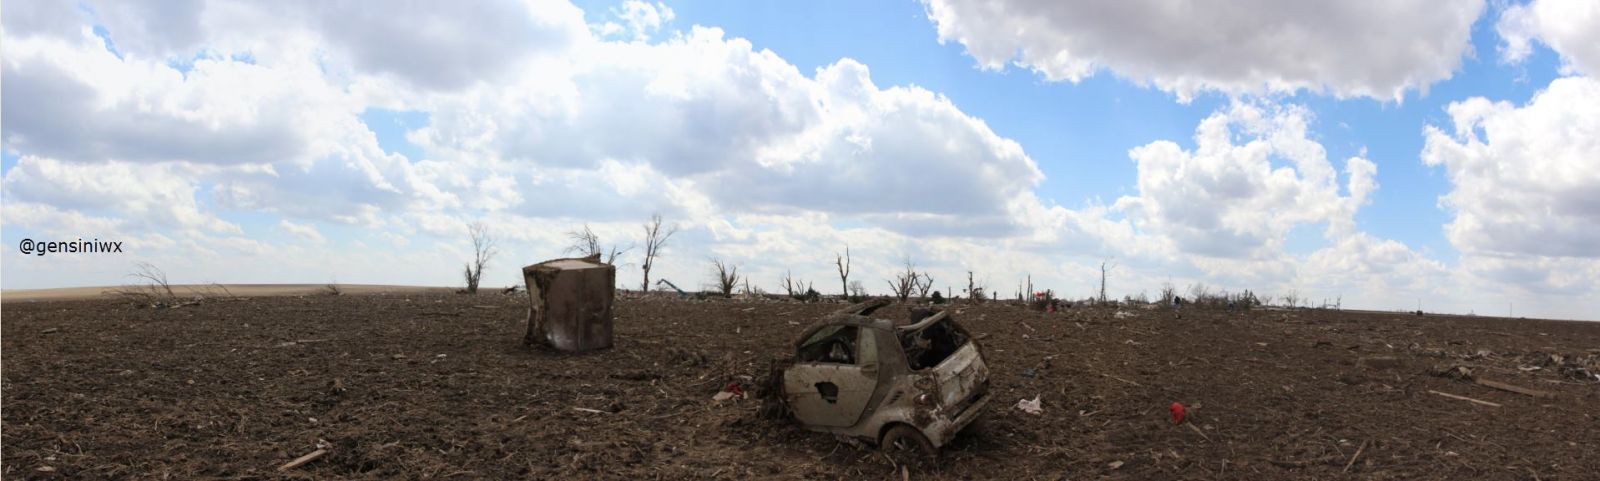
(437, 386)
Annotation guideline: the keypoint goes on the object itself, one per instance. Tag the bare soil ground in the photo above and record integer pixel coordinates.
(232, 290)
(436, 386)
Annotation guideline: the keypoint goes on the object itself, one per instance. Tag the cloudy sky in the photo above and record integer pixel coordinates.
(1375, 151)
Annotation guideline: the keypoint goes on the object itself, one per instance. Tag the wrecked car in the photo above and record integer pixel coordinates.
(910, 388)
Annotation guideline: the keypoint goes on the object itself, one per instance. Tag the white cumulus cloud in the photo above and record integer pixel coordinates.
(1570, 27)
(1524, 178)
(1373, 48)
(1239, 200)
(745, 131)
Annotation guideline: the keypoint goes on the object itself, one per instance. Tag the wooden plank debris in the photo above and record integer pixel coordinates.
(1464, 398)
(1514, 388)
(301, 461)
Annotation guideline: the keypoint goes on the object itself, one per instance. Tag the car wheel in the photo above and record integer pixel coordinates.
(906, 445)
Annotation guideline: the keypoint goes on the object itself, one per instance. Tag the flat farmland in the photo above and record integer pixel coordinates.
(437, 386)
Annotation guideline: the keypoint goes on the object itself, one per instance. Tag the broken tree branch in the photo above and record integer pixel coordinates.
(1357, 456)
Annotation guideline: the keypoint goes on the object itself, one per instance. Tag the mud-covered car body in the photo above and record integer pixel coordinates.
(858, 376)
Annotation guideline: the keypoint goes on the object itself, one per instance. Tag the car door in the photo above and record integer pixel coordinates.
(825, 388)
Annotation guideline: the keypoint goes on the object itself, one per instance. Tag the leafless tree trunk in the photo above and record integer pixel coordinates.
(905, 282)
(483, 249)
(1199, 293)
(843, 263)
(974, 291)
(924, 285)
(586, 243)
(727, 276)
(1292, 299)
(1103, 270)
(797, 289)
(655, 238)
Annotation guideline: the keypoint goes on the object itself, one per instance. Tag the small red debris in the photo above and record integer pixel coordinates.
(1177, 413)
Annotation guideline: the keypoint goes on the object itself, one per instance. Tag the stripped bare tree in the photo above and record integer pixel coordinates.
(843, 263)
(586, 243)
(923, 283)
(974, 291)
(905, 282)
(797, 289)
(1103, 269)
(1199, 293)
(727, 277)
(483, 250)
(655, 238)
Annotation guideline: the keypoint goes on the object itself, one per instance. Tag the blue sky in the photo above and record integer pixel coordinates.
(775, 133)
(1080, 133)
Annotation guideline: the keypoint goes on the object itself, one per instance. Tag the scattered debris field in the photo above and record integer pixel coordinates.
(439, 386)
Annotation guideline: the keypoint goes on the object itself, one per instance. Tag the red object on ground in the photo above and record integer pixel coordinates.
(734, 388)
(1177, 413)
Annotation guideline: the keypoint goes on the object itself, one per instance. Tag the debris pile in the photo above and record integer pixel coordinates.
(1576, 367)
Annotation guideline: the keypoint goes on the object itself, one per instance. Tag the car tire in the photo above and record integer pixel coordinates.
(906, 445)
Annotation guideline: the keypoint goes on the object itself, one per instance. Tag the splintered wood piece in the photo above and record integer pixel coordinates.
(1464, 398)
(1354, 458)
(301, 461)
(1514, 388)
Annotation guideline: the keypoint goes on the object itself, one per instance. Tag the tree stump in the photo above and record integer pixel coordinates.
(571, 303)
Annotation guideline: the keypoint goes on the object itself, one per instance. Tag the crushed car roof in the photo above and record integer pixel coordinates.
(857, 315)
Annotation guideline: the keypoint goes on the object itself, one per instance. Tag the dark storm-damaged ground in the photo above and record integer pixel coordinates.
(437, 387)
